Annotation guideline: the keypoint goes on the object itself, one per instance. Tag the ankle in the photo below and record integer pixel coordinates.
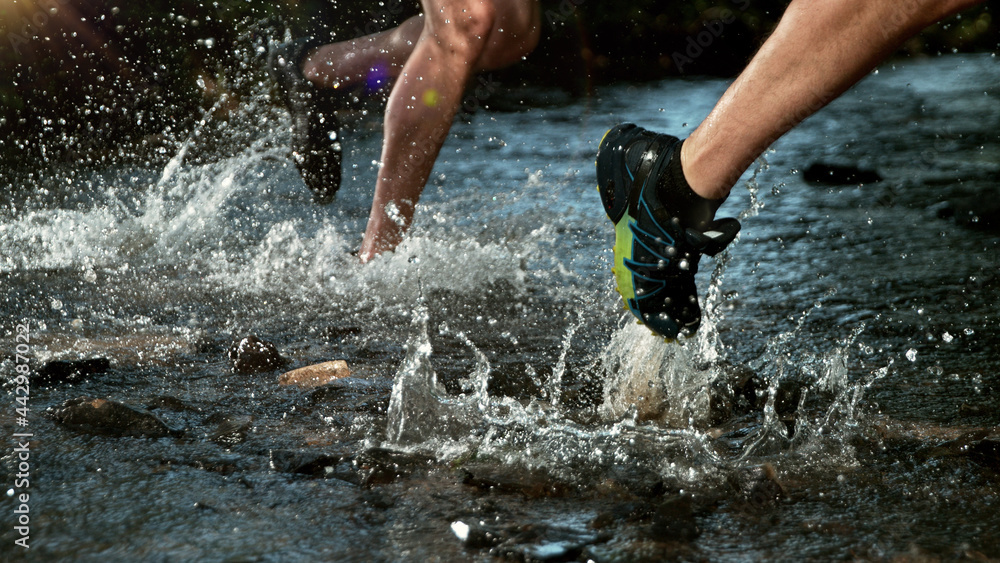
(694, 170)
(676, 194)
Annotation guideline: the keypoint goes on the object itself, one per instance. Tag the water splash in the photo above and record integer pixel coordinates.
(659, 413)
(420, 409)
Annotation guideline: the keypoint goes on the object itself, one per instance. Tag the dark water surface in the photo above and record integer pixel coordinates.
(841, 400)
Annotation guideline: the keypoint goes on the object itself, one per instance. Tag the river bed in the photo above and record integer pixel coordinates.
(841, 400)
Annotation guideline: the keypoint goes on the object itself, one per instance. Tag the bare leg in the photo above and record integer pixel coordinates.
(457, 39)
(819, 49)
(349, 62)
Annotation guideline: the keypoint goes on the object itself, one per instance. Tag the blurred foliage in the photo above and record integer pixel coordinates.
(116, 78)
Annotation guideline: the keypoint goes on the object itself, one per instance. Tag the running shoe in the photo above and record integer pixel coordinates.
(315, 128)
(661, 228)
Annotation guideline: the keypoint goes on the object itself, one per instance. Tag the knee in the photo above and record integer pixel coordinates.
(516, 34)
(463, 27)
(525, 30)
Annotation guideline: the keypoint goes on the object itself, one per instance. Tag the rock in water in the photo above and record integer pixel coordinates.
(316, 375)
(253, 355)
(756, 488)
(109, 418)
(674, 520)
(69, 371)
(230, 430)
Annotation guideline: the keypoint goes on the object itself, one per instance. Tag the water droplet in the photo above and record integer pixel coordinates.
(947, 337)
(461, 530)
(911, 355)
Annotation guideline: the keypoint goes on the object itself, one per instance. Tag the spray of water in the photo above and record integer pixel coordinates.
(657, 409)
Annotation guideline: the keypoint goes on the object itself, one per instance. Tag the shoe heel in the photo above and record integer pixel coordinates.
(612, 177)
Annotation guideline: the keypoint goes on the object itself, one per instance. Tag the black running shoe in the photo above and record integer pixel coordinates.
(315, 128)
(661, 228)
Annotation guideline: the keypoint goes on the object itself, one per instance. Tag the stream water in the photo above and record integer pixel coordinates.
(841, 401)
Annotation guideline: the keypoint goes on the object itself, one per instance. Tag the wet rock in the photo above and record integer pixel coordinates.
(734, 394)
(109, 418)
(315, 375)
(986, 453)
(555, 551)
(69, 371)
(316, 464)
(474, 535)
(959, 446)
(539, 543)
(533, 484)
(836, 174)
(756, 488)
(381, 466)
(170, 403)
(230, 429)
(674, 520)
(975, 445)
(253, 355)
(974, 410)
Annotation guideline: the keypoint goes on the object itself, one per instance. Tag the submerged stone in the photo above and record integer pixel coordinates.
(986, 453)
(253, 355)
(535, 542)
(474, 535)
(109, 418)
(69, 371)
(381, 466)
(976, 446)
(170, 403)
(674, 520)
(315, 375)
(534, 483)
(315, 464)
(756, 488)
(230, 429)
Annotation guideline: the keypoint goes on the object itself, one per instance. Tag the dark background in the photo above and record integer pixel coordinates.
(98, 80)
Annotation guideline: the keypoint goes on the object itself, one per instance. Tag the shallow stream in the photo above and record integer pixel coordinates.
(841, 400)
